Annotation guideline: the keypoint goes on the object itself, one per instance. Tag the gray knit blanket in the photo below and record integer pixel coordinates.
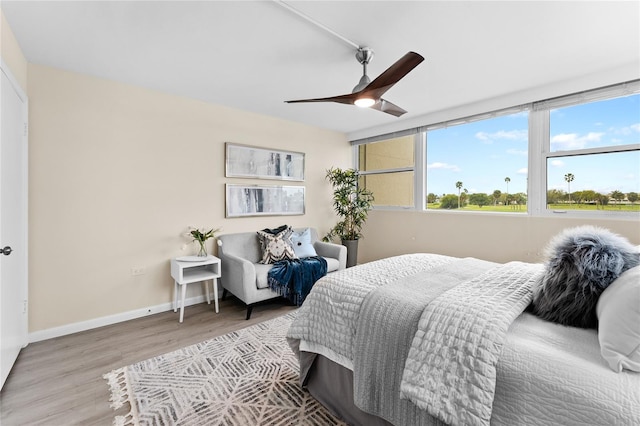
(387, 323)
(451, 368)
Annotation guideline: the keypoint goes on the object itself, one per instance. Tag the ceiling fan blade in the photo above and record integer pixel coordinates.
(392, 75)
(341, 99)
(388, 107)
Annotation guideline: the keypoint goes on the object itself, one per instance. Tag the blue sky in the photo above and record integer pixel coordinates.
(482, 154)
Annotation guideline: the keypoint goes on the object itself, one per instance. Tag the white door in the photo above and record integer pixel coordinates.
(13, 222)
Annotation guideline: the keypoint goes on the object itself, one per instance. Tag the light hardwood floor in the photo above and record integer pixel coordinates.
(58, 382)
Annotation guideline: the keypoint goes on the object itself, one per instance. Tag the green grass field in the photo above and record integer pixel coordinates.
(523, 209)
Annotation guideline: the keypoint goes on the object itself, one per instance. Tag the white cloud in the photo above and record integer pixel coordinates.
(443, 166)
(517, 152)
(569, 141)
(557, 163)
(513, 135)
(627, 130)
(523, 171)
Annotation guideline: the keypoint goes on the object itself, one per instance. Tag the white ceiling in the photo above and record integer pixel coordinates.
(254, 55)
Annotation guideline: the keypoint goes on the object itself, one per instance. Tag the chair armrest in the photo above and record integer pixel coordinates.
(238, 274)
(332, 250)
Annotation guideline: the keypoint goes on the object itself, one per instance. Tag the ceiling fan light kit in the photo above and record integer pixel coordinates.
(364, 102)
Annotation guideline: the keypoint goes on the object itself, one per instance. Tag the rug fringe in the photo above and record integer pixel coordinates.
(120, 393)
(124, 420)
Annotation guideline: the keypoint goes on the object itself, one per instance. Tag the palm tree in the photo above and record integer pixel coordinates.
(464, 197)
(459, 186)
(618, 196)
(507, 179)
(569, 178)
(496, 196)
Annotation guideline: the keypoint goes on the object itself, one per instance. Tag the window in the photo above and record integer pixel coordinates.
(577, 154)
(387, 169)
(594, 158)
(479, 166)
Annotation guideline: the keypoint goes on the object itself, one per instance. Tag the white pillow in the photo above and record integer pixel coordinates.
(301, 242)
(618, 312)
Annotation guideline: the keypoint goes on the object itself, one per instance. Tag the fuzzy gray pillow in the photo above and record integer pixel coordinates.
(579, 264)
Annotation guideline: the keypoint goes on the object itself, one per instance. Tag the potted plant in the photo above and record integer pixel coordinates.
(352, 204)
(201, 236)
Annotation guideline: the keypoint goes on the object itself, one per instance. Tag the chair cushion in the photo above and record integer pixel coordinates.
(262, 271)
(332, 264)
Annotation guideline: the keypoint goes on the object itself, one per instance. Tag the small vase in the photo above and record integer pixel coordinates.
(202, 251)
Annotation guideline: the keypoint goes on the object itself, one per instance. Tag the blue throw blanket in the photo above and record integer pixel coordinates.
(293, 279)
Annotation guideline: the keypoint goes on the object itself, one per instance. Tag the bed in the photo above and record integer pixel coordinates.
(428, 339)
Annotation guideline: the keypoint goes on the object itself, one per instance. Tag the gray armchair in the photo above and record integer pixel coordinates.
(246, 279)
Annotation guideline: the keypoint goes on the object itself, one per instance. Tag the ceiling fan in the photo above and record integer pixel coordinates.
(367, 93)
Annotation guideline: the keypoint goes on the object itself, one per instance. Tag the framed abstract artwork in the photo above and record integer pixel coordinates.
(263, 163)
(264, 200)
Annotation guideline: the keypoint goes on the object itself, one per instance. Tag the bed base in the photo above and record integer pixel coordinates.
(332, 385)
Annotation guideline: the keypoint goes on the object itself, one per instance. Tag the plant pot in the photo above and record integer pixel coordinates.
(352, 252)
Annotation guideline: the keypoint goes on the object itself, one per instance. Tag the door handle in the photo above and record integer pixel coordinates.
(6, 250)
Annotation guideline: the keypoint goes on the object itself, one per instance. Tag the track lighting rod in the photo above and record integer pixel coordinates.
(316, 23)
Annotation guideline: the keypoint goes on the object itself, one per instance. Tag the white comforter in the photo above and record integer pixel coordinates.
(547, 374)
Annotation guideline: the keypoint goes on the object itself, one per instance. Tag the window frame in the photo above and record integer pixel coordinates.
(418, 158)
(468, 120)
(539, 151)
(540, 135)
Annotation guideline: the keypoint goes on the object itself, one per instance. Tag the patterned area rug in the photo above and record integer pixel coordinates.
(247, 377)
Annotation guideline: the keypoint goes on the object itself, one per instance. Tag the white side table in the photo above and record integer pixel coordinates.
(189, 269)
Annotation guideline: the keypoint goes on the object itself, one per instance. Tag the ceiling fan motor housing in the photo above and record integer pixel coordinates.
(363, 55)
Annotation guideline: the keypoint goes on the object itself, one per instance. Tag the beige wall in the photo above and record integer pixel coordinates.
(12, 54)
(117, 173)
(496, 237)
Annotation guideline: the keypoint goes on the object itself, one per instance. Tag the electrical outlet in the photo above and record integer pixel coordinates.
(138, 270)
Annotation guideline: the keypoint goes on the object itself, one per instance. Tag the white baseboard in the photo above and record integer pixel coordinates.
(64, 330)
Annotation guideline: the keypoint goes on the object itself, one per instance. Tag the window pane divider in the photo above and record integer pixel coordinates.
(622, 89)
(537, 170)
(419, 182)
(383, 171)
(597, 150)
